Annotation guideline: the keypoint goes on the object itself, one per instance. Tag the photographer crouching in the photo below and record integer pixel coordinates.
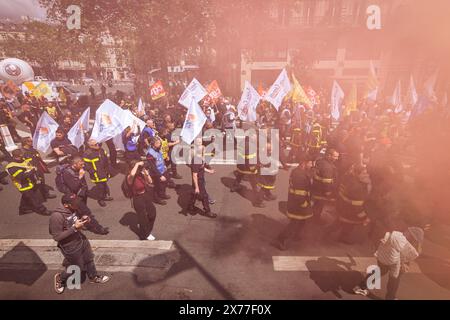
(65, 228)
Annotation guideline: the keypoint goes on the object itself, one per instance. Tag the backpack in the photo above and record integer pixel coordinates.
(59, 180)
(127, 189)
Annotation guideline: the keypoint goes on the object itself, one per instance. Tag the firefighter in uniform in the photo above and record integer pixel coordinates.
(247, 167)
(32, 155)
(96, 163)
(23, 175)
(324, 182)
(352, 194)
(267, 177)
(299, 204)
(316, 140)
(296, 143)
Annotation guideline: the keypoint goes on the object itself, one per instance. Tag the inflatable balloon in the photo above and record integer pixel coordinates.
(15, 70)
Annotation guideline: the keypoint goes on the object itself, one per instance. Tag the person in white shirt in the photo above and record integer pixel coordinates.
(395, 251)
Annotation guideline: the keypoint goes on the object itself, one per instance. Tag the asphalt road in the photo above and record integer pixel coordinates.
(230, 257)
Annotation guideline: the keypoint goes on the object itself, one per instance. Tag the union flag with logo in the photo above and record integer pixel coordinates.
(157, 90)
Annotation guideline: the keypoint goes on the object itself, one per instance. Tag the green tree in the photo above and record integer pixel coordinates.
(41, 43)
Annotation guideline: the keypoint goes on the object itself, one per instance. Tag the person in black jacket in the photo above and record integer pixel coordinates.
(62, 146)
(96, 163)
(75, 185)
(65, 227)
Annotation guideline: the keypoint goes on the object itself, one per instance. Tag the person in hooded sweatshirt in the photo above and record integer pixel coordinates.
(65, 228)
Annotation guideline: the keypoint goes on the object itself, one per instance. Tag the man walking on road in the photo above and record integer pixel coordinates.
(65, 228)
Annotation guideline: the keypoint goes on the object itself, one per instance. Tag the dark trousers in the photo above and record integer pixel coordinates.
(393, 282)
(202, 196)
(292, 230)
(83, 210)
(146, 213)
(112, 152)
(83, 258)
(253, 183)
(32, 200)
(100, 191)
(160, 186)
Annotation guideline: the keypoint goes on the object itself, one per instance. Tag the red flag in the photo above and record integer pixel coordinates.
(214, 91)
(157, 90)
(313, 96)
(262, 92)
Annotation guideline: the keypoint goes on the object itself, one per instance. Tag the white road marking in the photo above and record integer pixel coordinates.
(323, 263)
(157, 244)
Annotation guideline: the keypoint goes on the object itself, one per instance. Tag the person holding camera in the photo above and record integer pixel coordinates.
(65, 227)
(139, 181)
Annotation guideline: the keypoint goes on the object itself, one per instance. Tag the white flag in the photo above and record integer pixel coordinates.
(108, 121)
(279, 89)
(45, 132)
(396, 99)
(412, 96)
(76, 133)
(195, 90)
(129, 119)
(249, 101)
(337, 96)
(193, 124)
(429, 86)
(141, 107)
(372, 83)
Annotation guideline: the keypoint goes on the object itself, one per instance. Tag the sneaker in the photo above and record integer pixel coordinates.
(259, 205)
(102, 231)
(236, 188)
(101, 203)
(59, 286)
(47, 213)
(165, 197)
(161, 202)
(280, 245)
(151, 237)
(211, 201)
(209, 214)
(22, 212)
(361, 292)
(108, 198)
(100, 279)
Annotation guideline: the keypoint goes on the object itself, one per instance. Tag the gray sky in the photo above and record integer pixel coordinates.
(14, 9)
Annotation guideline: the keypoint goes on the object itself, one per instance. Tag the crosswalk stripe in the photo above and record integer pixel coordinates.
(330, 264)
